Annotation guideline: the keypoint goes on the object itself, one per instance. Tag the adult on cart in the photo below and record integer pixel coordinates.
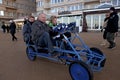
(40, 33)
(27, 29)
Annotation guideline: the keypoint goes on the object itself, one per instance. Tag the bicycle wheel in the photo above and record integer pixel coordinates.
(29, 53)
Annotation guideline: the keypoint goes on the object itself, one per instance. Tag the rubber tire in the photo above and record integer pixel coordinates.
(30, 57)
(99, 52)
(86, 73)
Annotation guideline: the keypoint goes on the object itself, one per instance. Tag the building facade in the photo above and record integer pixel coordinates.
(88, 14)
(15, 9)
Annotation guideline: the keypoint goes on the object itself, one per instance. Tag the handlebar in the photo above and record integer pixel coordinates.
(61, 28)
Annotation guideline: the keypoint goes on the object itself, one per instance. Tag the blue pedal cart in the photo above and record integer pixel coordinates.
(72, 51)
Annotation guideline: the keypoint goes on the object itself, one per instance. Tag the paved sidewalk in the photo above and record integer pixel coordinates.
(14, 64)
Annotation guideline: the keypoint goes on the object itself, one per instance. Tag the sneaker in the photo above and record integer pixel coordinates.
(102, 44)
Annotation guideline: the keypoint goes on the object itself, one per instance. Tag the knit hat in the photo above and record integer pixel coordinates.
(112, 8)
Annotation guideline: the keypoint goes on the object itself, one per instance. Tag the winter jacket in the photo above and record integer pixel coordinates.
(3, 26)
(112, 24)
(12, 28)
(38, 28)
(27, 31)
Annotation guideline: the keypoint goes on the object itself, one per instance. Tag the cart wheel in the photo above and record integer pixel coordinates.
(29, 53)
(80, 71)
(100, 53)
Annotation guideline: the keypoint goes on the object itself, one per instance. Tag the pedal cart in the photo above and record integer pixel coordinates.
(72, 51)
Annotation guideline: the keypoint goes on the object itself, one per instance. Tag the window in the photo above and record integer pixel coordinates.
(58, 9)
(53, 10)
(95, 22)
(1, 2)
(88, 19)
(80, 6)
(119, 2)
(11, 14)
(109, 2)
(102, 20)
(74, 7)
(114, 2)
(1, 13)
(56, 1)
(72, 19)
(40, 4)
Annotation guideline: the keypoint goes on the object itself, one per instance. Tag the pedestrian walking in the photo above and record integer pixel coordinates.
(104, 29)
(112, 27)
(3, 27)
(7, 28)
(13, 30)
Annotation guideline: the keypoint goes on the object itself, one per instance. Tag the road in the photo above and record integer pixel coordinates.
(14, 64)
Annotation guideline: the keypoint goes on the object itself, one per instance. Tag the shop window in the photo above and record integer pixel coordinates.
(65, 20)
(102, 20)
(95, 22)
(72, 19)
(88, 20)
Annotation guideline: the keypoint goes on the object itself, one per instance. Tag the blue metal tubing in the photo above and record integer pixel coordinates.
(84, 51)
(87, 49)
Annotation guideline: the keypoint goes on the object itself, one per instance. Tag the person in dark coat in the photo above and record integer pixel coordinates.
(25, 20)
(3, 27)
(104, 28)
(112, 27)
(27, 29)
(13, 30)
(7, 28)
(40, 33)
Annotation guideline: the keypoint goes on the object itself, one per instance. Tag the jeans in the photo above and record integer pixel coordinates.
(13, 36)
(110, 38)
